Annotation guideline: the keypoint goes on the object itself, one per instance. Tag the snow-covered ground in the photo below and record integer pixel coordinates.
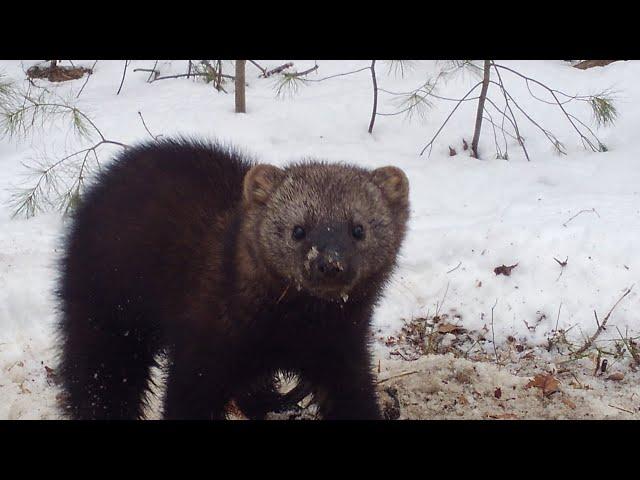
(468, 216)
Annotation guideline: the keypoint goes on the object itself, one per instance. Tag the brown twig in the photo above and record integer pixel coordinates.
(193, 74)
(338, 75)
(513, 119)
(560, 105)
(400, 375)
(493, 335)
(307, 71)
(579, 213)
(375, 95)
(268, 73)
(155, 137)
(562, 265)
(622, 409)
(255, 64)
(87, 79)
(153, 73)
(449, 117)
(455, 268)
(601, 326)
(124, 74)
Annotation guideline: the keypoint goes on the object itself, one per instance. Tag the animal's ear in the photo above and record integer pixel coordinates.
(259, 183)
(394, 184)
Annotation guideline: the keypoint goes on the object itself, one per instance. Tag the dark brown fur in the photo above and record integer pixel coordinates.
(186, 248)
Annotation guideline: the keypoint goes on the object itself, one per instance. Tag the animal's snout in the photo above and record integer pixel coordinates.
(329, 265)
(326, 266)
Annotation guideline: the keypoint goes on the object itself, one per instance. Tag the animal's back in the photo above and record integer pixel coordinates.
(139, 241)
(140, 230)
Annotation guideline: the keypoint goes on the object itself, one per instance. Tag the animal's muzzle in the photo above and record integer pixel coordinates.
(329, 265)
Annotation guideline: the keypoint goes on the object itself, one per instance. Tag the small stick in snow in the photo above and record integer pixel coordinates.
(153, 73)
(403, 374)
(620, 408)
(375, 95)
(581, 212)
(155, 137)
(124, 74)
(87, 79)
(562, 265)
(601, 326)
(439, 306)
(455, 268)
(558, 319)
(493, 334)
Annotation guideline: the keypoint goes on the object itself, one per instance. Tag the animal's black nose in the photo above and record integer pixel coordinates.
(329, 265)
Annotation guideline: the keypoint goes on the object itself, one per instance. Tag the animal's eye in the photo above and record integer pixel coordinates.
(298, 233)
(358, 232)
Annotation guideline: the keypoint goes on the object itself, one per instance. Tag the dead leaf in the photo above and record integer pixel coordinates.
(452, 152)
(504, 270)
(462, 400)
(497, 393)
(569, 403)
(450, 328)
(616, 376)
(545, 382)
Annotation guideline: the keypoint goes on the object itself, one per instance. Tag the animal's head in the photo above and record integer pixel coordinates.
(327, 227)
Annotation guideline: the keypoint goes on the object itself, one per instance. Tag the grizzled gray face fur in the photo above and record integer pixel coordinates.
(327, 227)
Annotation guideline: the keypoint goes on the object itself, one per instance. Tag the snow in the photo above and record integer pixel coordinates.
(468, 216)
